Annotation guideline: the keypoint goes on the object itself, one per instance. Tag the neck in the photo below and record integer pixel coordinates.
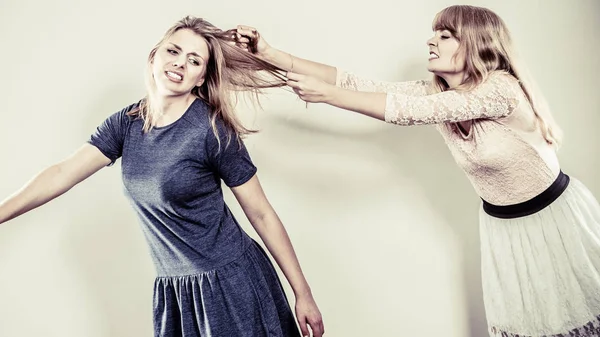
(174, 105)
(453, 80)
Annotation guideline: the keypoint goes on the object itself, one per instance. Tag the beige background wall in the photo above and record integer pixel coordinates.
(384, 223)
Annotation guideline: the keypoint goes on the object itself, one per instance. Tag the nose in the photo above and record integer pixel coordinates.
(179, 62)
(431, 42)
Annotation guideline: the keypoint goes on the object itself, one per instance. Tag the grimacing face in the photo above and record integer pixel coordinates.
(180, 63)
(444, 58)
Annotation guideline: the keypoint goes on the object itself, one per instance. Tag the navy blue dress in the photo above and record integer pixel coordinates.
(212, 278)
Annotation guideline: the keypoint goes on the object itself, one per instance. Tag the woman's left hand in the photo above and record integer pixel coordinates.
(311, 89)
(308, 314)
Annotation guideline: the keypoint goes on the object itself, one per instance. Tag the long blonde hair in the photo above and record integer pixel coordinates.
(229, 71)
(485, 41)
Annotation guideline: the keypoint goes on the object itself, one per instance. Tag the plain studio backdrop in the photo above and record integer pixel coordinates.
(383, 221)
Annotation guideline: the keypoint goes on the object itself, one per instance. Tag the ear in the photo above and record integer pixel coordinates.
(200, 82)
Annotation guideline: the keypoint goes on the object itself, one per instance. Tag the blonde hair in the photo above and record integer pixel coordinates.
(229, 71)
(485, 41)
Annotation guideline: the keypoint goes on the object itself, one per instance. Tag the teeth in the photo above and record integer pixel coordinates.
(433, 55)
(174, 75)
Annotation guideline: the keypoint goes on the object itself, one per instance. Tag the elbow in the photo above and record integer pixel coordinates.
(263, 220)
(258, 218)
(57, 179)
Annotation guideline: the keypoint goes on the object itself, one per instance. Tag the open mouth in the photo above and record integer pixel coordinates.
(175, 76)
(433, 55)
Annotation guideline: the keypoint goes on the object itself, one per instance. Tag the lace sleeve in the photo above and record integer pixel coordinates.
(497, 97)
(347, 80)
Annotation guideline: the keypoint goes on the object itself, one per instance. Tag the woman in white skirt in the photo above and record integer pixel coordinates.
(540, 229)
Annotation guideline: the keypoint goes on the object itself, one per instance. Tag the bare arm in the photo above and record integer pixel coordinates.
(284, 60)
(267, 224)
(250, 39)
(53, 182)
(343, 79)
(250, 36)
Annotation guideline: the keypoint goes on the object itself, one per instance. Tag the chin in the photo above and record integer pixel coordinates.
(170, 89)
(433, 70)
(166, 92)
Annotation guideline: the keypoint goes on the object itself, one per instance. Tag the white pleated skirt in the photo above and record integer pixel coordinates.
(541, 272)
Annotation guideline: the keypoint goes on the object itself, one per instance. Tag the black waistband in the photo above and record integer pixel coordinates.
(531, 206)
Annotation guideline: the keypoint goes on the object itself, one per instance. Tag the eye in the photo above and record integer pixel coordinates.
(444, 37)
(194, 62)
(171, 51)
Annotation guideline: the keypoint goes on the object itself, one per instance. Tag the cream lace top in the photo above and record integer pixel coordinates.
(503, 153)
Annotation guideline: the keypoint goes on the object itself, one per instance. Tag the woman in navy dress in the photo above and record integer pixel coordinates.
(176, 146)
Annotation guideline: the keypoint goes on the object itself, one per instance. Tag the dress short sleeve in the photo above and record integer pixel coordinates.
(231, 161)
(109, 136)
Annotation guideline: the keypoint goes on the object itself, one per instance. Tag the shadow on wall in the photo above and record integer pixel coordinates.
(450, 190)
(417, 154)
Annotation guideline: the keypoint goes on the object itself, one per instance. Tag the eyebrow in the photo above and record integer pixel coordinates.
(192, 53)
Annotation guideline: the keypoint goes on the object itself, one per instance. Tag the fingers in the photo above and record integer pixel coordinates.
(248, 36)
(243, 46)
(297, 90)
(244, 27)
(294, 76)
(299, 93)
(303, 325)
(316, 325)
(293, 79)
(238, 40)
(293, 84)
(248, 31)
(241, 39)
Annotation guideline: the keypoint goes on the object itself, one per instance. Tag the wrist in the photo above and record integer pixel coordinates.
(304, 292)
(279, 58)
(271, 54)
(333, 95)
